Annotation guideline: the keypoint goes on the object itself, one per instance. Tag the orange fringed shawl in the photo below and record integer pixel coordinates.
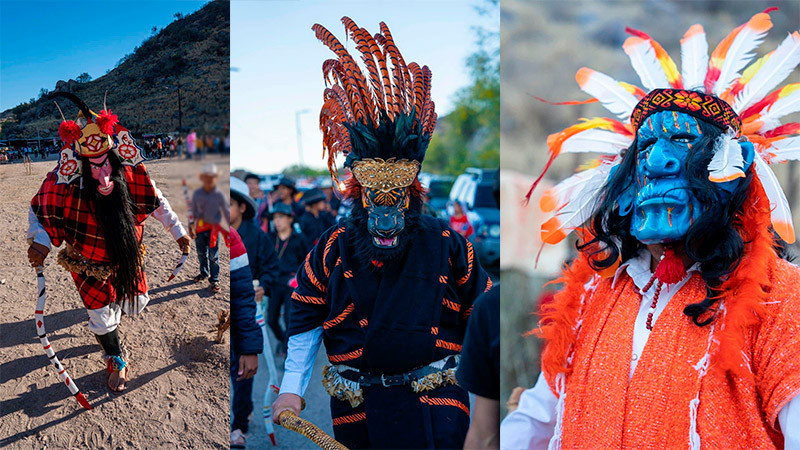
(754, 354)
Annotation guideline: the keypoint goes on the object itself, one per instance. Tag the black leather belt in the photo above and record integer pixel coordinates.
(368, 379)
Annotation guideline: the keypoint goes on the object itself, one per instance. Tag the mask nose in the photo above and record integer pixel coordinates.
(662, 161)
(385, 225)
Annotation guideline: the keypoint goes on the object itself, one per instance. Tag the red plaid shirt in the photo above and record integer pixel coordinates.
(66, 217)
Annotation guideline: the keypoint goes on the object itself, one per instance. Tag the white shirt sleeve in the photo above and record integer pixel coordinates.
(36, 232)
(300, 358)
(789, 422)
(533, 423)
(167, 216)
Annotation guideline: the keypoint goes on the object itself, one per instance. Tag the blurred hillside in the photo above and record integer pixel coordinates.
(192, 52)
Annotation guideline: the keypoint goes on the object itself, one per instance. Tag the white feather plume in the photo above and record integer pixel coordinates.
(694, 57)
(785, 150)
(727, 163)
(608, 91)
(768, 123)
(577, 197)
(596, 141)
(782, 107)
(781, 214)
(738, 56)
(776, 68)
(644, 62)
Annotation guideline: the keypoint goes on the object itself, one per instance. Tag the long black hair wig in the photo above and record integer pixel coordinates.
(116, 215)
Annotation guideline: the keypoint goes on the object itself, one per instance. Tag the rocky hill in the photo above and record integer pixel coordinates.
(192, 52)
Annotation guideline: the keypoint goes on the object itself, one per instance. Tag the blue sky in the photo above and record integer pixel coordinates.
(277, 64)
(42, 42)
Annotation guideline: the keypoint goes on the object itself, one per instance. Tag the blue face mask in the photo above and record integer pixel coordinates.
(660, 200)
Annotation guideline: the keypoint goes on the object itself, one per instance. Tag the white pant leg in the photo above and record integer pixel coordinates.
(104, 320)
(136, 305)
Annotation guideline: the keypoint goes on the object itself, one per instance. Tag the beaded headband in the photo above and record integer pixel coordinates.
(703, 106)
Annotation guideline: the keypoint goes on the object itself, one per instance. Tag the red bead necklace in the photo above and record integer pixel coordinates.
(670, 270)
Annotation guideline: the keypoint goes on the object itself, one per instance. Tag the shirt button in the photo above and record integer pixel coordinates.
(634, 357)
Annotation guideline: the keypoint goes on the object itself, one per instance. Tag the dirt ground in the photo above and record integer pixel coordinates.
(179, 393)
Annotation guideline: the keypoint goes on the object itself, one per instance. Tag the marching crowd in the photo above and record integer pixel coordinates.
(273, 232)
(278, 230)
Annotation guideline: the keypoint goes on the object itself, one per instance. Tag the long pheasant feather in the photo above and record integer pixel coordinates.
(398, 89)
(419, 93)
(360, 38)
(351, 72)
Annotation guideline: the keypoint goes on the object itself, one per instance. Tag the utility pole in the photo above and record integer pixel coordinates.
(180, 110)
(180, 106)
(297, 115)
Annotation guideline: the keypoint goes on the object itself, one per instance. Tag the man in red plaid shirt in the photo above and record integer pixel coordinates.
(95, 201)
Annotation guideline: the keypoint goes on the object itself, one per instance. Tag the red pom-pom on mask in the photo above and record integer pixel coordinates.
(69, 131)
(106, 121)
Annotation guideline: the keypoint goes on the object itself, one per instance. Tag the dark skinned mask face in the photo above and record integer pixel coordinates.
(386, 215)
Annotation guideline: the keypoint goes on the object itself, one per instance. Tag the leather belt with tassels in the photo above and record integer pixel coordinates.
(345, 383)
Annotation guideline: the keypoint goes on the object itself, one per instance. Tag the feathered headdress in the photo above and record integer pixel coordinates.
(89, 136)
(722, 89)
(381, 120)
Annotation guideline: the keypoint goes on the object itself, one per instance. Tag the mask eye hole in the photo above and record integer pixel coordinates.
(99, 166)
(646, 144)
(684, 138)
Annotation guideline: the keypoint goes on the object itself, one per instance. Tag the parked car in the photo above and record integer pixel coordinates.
(438, 187)
(475, 189)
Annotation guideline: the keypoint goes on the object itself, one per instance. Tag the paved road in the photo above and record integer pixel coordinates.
(317, 410)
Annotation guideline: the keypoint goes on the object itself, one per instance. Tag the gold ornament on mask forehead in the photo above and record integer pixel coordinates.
(375, 173)
(93, 141)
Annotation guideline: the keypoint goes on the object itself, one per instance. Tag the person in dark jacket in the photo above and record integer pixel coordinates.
(317, 218)
(246, 340)
(326, 186)
(388, 290)
(292, 248)
(479, 370)
(287, 191)
(263, 260)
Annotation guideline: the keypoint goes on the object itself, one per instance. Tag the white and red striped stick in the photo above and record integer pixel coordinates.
(178, 266)
(48, 349)
(273, 373)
